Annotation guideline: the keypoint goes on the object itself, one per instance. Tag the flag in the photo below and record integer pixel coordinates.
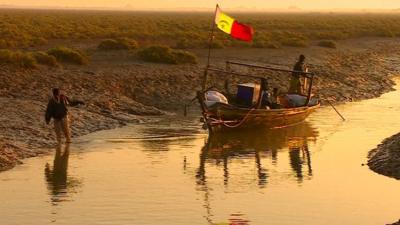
(231, 26)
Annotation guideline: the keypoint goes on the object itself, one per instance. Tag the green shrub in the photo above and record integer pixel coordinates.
(69, 55)
(45, 59)
(184, 57)
(164, 54)
(240, 44)
(185, 44)
(3, 44)
(18, 59)
(265, 44)
(157, 53)
(128, 43)
(24, 60)
(294, 42)
(327, 44)
(5, 56)
(330, 35)
(118, 44)
(109, 44)
(216, 44)
(385, 32)
(38, 41)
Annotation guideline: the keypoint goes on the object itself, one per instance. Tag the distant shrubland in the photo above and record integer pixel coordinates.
(25, 28)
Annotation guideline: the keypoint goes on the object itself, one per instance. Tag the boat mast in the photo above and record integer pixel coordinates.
(210, 41)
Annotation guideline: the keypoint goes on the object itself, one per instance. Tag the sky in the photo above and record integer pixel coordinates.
(208, 4)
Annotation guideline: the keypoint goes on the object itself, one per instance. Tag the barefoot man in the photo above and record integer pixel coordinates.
(57, 109)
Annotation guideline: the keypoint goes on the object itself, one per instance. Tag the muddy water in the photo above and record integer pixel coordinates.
(171, 172)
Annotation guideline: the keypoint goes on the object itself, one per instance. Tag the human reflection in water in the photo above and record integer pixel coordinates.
(259, 144)
(59, 183)
(300, 155)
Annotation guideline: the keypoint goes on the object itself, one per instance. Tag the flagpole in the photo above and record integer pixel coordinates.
(210, 41)
(211, 38)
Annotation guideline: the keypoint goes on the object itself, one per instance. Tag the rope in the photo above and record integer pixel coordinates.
(238, 124)
(225, 123)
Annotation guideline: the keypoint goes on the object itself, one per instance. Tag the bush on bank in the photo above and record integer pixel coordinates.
(68, 55)
(327, 44)
(45, 59)
(17, 58)
(30, 60)
(118, 44)
(164, 54)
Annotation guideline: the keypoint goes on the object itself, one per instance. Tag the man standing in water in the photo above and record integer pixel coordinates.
(57, 109)
(295, 83)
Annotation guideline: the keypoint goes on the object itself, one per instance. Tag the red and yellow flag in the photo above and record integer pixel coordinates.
(231, 26)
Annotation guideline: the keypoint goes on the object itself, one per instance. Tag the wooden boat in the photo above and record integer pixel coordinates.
(222, 117)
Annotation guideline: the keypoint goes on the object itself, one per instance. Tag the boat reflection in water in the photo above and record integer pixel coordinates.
(258, 144)
(240, 146)
(59, 184)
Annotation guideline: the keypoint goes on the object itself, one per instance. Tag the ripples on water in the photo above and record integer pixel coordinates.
(172, 172)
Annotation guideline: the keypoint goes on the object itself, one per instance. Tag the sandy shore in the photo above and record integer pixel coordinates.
(118, 89)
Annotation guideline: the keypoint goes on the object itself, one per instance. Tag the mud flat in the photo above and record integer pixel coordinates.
(119, 89)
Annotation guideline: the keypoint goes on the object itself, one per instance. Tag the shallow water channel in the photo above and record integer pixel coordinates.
(170, 172)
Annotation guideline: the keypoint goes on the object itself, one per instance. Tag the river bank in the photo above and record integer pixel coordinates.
(318, 163)
(385, 159)
(119, 89)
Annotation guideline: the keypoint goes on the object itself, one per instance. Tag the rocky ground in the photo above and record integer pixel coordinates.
(119, 89)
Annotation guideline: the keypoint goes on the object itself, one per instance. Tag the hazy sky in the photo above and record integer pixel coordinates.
(251, 4)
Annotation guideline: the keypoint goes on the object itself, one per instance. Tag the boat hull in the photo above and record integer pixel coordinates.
(225, 117)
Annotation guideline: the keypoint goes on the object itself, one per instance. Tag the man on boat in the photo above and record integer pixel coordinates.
(269, 100)
(274, 99)
(265, 95)
(57, 109)
(295, 82)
